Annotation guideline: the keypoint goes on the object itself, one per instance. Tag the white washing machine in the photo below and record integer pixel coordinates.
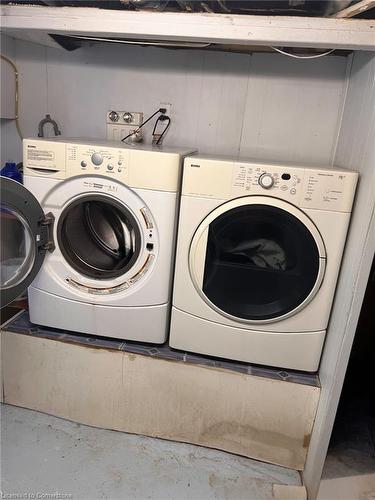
(95, 226)
(258, 256)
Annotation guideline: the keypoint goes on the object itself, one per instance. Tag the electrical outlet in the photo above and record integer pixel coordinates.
(161, 126)
(122, 123)
(167, 106)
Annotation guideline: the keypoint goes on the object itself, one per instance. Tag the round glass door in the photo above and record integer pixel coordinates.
(25, 236)
(99, 237)
(261, 262)
(17, 248)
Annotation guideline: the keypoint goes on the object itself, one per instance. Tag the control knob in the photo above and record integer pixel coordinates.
(128, 117)
(266, 181)
(97, 159)
(114, 116)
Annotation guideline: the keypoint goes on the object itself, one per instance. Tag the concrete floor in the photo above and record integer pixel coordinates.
(349, 470)
(361, 487)
(48, 455)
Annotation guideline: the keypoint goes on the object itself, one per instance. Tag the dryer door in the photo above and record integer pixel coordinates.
(257, 259)
(26, 235)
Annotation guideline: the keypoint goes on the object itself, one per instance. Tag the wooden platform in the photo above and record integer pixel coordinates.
(199, 401)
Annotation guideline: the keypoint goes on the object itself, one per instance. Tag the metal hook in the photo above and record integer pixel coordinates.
(43, 122)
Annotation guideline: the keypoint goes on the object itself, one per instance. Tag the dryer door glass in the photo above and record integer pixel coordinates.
(261, 262)
(99, 237)
(25, 236)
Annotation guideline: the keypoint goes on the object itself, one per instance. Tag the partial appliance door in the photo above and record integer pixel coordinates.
(25, 237)
(257, 259)
(99, 237)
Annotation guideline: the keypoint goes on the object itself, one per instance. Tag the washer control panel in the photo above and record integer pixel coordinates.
(94, 160)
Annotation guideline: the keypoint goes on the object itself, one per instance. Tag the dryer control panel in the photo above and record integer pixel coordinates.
(307, 187)
(276, 181)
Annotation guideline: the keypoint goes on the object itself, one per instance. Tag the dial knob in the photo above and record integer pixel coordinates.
(114, 116)
(266, 181)
(97, 159)
(128, 117)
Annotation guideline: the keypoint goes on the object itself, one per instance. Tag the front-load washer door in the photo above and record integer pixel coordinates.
(25, 237)
(257, 259)
(99, 237)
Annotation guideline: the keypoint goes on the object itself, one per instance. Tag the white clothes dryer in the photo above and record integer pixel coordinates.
(96, 226)
(258, 256)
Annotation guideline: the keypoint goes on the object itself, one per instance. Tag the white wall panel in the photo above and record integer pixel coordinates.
(355, 150)
(31, 63)
(292, 108)
(8, 90)
(10, 143)
(206, 90)
(224, 82)
(262, 106)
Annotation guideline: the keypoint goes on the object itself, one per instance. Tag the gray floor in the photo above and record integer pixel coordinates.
(349, 471)
(45, 455)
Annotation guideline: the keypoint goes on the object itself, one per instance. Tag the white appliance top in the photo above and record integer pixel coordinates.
(269, 163)
(226, 178)
(139, 166)
(183, 151)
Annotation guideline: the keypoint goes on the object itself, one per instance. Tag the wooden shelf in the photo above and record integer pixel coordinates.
(34, 23)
